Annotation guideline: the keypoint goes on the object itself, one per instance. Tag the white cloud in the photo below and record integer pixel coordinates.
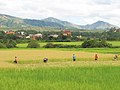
(103, 2)
(76, 11)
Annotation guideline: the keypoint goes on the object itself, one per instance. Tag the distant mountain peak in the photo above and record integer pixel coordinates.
(51, 19)
(7, 16)
(63, 23)
(101, 22)
(101, 25)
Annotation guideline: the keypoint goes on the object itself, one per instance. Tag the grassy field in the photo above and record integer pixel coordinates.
(23, 45)
(60, 73)
(61, 78)
(114, 43)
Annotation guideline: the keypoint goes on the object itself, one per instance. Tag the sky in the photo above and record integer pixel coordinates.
(76, 11)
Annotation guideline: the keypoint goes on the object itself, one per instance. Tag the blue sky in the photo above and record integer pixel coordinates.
(75, 11)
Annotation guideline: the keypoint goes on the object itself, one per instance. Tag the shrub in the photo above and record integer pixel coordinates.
(2, 45)
(33, 44)
(103, 43)
(89, 44)
(95, 44)
(51, 45)
(11, 44)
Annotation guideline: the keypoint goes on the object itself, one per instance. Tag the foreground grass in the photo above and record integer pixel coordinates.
(61, 78)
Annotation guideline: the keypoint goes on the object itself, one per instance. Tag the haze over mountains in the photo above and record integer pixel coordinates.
(15, 22)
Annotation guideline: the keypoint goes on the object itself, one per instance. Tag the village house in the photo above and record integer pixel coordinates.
(27, 37)
(39, 35)
(34, 36)
(10, 32)
(21, 33)
(67, 33)
(79, 36)
(117, 30)
(54, 36)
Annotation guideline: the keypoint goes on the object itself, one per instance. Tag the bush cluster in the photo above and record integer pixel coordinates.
(33, 44)
(7, 44)
(2, 45)
(95, 44)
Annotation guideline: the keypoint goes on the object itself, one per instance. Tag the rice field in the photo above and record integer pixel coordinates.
(61, 78)
(60, 72)
(36, 56)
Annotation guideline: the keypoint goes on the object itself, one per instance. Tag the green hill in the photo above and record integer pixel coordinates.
(15, 22)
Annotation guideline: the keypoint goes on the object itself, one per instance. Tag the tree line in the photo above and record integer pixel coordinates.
(96, 38)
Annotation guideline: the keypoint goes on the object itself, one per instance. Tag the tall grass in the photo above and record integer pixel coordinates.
(67, 78)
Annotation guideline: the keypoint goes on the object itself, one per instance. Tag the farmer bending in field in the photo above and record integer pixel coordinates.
(115, 57)
(16, 59)
(45, 59)
(96, 57)
(74, 57)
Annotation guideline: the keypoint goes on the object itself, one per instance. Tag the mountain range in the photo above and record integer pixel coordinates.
(16, 22)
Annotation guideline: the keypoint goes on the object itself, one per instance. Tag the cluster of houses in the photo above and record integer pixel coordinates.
(115, 29)
(22, 34)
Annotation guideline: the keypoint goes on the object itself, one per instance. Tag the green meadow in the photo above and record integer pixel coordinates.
(23, 45)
